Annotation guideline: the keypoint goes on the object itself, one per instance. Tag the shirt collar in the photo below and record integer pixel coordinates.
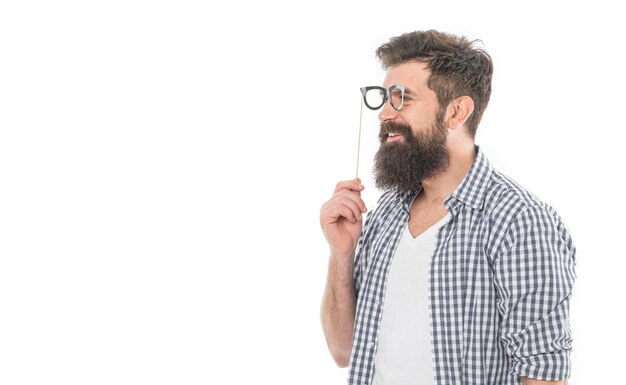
(471, 191)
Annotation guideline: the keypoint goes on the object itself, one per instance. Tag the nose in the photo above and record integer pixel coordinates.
(387, 112)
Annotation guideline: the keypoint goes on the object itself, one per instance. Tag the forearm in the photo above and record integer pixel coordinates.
(530, 381)
(338, 309)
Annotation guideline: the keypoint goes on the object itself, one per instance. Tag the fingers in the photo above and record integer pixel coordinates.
(351, 199)
(346, 202)
(341, 205)
(345, 212)
(353, 185)
(352, 190)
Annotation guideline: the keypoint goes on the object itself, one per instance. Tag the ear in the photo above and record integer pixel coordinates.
(458, 111)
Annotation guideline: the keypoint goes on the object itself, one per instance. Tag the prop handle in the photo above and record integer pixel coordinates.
(358, 148)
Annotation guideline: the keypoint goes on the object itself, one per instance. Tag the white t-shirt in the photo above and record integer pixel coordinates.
(404, 355)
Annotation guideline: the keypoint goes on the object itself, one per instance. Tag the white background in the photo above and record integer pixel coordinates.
(162, 166)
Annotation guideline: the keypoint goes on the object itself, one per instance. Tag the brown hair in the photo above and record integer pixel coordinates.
(457, 67)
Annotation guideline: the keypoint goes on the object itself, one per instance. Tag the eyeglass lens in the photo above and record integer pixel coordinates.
(396, 98)
(376, 97)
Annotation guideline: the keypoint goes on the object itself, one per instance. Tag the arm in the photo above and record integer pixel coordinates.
(534, 275)
(341, 219)
(338, 309)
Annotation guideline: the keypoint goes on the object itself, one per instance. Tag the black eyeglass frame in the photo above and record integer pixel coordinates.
(387, 93)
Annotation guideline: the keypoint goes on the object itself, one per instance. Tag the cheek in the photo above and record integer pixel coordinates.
(418, 118)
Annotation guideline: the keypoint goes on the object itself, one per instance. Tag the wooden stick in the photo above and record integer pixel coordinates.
(358, 148)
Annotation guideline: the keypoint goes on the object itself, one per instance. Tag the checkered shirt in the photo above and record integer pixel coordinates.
(500, 282)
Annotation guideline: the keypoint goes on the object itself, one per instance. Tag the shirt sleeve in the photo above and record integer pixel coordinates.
(534, 275)
(360, 259)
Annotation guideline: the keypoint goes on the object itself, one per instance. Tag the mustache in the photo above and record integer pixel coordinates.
(398, 128)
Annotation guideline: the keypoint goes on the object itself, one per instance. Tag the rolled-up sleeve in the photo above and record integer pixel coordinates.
(360, 255)
(534, 274)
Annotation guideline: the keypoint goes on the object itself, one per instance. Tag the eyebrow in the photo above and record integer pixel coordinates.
(408, 91)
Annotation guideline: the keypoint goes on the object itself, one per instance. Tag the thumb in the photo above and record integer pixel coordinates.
(358, 181)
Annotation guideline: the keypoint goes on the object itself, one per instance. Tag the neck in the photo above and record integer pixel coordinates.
(435, 190)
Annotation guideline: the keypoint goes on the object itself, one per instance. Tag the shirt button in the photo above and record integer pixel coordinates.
(377, 303)
(371, 344)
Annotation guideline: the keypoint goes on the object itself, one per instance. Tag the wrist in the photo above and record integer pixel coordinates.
(341, 257)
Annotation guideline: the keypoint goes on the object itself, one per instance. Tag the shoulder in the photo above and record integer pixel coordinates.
(506, 200)
(510, 208)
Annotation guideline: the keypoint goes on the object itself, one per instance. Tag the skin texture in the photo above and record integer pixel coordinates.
(341, 215)
(341, 222)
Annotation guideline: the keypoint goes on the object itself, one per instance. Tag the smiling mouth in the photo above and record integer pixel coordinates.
(393, 137)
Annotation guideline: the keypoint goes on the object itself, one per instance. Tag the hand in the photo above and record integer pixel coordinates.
(341, 218)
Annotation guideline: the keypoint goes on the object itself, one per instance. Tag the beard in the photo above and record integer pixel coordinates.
(404, 165)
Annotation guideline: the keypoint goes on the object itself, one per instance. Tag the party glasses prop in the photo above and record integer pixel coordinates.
(374, 98)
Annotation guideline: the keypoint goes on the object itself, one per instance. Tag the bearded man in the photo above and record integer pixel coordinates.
(460, 275)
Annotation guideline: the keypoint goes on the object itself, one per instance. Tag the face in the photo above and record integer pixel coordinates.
(412, 140)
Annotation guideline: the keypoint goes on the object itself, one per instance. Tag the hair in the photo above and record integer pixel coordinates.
(458, 67)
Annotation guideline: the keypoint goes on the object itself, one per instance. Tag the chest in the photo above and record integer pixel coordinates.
(421, 217)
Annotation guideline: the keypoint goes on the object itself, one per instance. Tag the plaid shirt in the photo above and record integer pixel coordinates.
(500, 282)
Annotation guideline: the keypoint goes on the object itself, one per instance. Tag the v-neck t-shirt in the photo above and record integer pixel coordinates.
(404, 355)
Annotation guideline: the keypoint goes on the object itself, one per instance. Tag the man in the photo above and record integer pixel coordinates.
(460, 275)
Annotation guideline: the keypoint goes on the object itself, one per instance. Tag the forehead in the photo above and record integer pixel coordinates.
(412, 75)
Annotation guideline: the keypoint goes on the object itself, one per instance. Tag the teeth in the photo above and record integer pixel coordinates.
(392, 134)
